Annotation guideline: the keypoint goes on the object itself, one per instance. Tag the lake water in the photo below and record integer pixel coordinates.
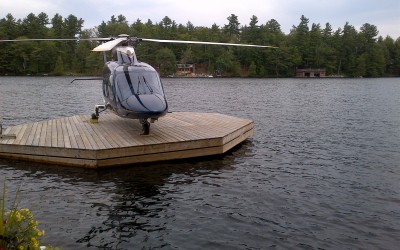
(321, 172)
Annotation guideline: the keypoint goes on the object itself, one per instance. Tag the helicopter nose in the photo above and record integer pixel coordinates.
(146, 103)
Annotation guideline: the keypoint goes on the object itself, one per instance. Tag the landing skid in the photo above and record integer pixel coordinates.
(145, 127)
(97, 110)
(145, 123)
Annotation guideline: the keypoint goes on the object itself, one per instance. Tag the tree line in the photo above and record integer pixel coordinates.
(345, 51)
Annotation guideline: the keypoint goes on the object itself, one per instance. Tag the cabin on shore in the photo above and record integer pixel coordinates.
(191, 70)
(185, 70)
(312, 73)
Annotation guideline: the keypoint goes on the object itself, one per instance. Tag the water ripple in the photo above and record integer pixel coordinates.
(321, 172)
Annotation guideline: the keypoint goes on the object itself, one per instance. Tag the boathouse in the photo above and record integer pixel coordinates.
(310, 72)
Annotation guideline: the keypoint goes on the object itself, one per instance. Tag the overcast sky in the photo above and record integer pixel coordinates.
(385, 14)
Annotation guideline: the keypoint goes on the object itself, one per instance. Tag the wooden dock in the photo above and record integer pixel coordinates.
(113, 141)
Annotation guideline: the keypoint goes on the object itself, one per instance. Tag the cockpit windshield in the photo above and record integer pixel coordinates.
(137, 83)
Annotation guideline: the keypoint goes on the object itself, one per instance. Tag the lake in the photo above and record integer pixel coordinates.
(321, 172)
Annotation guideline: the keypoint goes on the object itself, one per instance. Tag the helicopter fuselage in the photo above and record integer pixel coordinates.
(133, 90)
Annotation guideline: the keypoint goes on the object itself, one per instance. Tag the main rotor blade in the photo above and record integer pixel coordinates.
(209, 43)
(109, 45)
(39, 39)
(55, 39)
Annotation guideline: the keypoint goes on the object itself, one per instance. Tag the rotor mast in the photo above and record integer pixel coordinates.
(124, 46)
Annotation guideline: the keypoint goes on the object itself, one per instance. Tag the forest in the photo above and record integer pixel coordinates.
(344, 52)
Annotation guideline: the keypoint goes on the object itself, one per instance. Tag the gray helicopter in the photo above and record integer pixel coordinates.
(132, 89)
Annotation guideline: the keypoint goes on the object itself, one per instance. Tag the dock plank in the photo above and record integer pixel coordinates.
(38, 131)
(121, 132)
(102, 129)
(66, 137)
(101, 140)
(20, 134)
(25, 134)
(10, 131)
(85, 132)
(70, 133)
(60, 134)
(80, 133)
(114, 132)
(32, 134)
(49, 131)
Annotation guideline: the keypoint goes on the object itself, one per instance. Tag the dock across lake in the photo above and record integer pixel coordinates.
(114, 141)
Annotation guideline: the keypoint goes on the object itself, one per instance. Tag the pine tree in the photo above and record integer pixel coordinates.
(59, 67)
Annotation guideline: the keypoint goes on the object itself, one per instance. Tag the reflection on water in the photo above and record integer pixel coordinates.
(110, 208)
(322, 170)
(139, 200)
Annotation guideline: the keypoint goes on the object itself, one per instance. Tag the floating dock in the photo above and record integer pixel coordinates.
(114, 141)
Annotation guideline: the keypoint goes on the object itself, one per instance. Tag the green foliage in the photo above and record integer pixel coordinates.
(253, 70)
(233, 28)
(59, 67)
(166, 61)
(227, 63)
(2, 210)
(345, 51)
(18, 228)
(262, 72)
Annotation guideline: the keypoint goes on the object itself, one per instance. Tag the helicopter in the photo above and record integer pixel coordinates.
(132, 89)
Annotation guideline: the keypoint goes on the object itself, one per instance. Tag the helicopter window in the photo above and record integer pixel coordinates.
(138, 83)
(148, 83)
(125, 58)
(123, 86)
